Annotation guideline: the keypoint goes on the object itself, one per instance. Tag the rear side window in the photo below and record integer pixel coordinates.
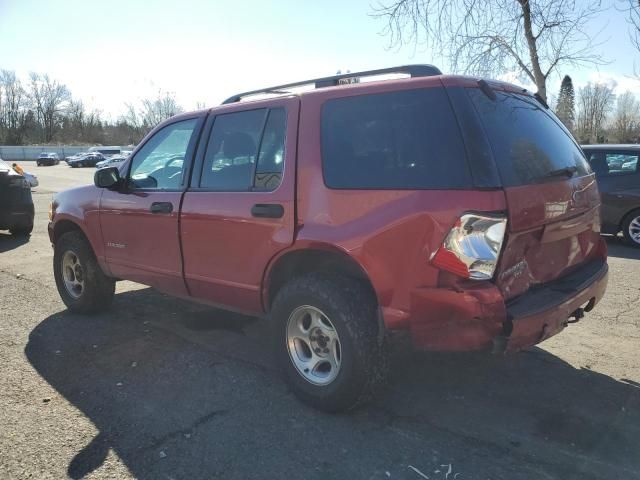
(399, 140)
(245, 151)
(528, 143)
(612, 163)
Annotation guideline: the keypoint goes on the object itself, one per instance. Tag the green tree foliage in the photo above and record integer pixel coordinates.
(565, 109)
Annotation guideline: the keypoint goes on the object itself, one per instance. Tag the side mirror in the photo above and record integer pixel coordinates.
(108, 177)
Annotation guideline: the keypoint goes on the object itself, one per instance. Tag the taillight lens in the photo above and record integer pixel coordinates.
(472, 247)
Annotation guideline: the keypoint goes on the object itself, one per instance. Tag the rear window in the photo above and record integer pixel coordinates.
(399, 140)
(527, 142)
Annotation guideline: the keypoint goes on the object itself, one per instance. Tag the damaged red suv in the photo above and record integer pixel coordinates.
(458, 209)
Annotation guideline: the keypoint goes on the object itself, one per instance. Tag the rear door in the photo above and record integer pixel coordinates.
(140, 223)
(239, 211)
(552, 195)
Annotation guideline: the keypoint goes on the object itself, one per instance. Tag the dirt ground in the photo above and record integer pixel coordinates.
(158, 388)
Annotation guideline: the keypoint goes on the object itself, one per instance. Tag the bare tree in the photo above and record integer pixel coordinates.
(156, 110)
(626, 119)
(13, 113)
(50, 99)
(533, 37)
(595, 102)
(632, 9)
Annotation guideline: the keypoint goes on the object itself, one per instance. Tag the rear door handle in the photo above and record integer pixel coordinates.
(161, 207)
(267, 210)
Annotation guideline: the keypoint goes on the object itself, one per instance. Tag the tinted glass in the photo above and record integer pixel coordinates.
(527, 142)
(271, 156)
(612, 163)
(159, 163)
(400, 140)
(232, 150)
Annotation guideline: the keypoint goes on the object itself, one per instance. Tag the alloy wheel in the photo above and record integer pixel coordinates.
(72, 274)
(313, 345)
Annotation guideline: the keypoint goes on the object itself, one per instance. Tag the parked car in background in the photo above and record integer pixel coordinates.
(616, 169)
(86, 160)
(48, 159)
(111, 162)
(456, 209)
(106, 151)
(73, 157)
(16, 203)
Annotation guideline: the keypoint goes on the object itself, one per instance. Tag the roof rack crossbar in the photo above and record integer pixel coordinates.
(411, 70)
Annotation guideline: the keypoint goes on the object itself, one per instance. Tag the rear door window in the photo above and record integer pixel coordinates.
(245, 151)
(400, 140)
(527, 142)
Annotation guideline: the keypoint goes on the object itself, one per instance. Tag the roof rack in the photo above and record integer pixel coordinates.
(411, 70)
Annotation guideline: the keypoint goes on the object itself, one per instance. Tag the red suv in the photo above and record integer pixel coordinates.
(458, 209)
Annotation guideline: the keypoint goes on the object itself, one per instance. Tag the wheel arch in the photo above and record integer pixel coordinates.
(65, 226)
(311, 258)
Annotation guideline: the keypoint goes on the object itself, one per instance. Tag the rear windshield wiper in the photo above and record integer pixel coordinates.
(560, 172)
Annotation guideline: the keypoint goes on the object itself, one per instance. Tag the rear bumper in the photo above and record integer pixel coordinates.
(18, 217)
(477, 318)
(540, 314)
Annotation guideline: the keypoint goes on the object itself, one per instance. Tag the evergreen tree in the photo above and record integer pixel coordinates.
(565, 109)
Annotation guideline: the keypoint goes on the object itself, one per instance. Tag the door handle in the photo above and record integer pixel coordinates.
(161, 207)
(267, 210)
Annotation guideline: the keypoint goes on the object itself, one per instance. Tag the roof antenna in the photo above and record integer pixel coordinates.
(487, 90)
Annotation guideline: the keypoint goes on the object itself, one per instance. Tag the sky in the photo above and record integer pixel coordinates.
(112, 52)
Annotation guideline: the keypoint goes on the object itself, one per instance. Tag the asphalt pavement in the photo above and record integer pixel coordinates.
(159, 388)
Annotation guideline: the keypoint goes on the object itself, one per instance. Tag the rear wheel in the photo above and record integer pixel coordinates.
(631, 228)
(82, 285)
(327, 342)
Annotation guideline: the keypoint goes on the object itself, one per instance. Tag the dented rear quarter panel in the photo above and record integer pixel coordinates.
(392, 234)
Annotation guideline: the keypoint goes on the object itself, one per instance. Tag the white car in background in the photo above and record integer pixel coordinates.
(111, 162)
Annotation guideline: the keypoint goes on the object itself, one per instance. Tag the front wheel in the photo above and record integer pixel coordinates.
(327, 341)
(82, 285)
(631, 228)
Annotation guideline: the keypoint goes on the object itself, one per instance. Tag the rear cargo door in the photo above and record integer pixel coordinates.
(552, 195)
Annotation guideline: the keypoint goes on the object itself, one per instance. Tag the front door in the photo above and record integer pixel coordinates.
(239, 211)
(140, 222)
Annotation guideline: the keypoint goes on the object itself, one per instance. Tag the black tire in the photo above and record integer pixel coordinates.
(97, 292)
(352, 309)
(38, 164)
(634, 217)
(22, 230)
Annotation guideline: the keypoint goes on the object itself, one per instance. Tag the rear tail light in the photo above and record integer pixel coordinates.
(472, 247)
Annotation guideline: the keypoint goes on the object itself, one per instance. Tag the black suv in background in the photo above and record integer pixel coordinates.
(16, 204)
(616, 168)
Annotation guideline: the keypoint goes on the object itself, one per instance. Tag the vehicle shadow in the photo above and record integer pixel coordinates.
(184, 391)
(618, 248)
(9, 242)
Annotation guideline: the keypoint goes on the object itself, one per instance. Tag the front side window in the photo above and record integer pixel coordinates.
(159, 164)
(245, 151)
